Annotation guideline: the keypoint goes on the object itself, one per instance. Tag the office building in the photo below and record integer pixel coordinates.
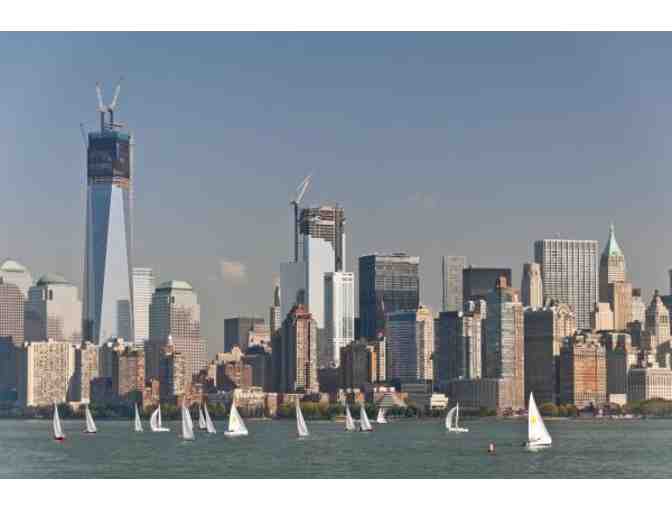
(545, 330)
(387, 284)
(176, 315)
(16, 273)
(569, 274)
(45, 372)
(410, 345)
(260, 361)
(234, 375)
(478, 282)
(656, 337)
(339, 317)
(173, 375)
(583, 371)
(143, 290)
(12, 313)
(53, 310)
(108, 282)
(602, 318)
(106, 353)
(532, 288)
(649, 383)
(451, 279)
(638, 307)
(504, 344)
(622, 356)
(612, 266)
(86, 370)
(361, 363)
(295, 354)
(275, 312)
(237, 331)
(128, 373)
(619, 295)
(327, 223)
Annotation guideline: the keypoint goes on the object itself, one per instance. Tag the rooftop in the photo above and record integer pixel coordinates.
(12, 266)
(52, 279)
(175, 285)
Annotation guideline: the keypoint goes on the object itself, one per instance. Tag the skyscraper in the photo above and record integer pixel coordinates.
(295, 353)
(275, 312)
(612, 266)
(478, 282)
(11, 331)
(387, 284)
(53, 310)
(328, 223)
(339, 317)
(108, 283)
(451, 278)
(532, 289)
(45, 372)
(14, 272)
(237, 331)
(143, 289)
(657, 335)
(460, 343)
(410, 345)
(569, 274)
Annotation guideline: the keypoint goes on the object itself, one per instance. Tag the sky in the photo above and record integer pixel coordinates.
(474, 144)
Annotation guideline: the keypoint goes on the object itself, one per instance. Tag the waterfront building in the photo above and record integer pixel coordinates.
(339, 317)
(143, 290)
(583, 371)
(602, 318)
(387, 284)
(478, 282)
(532, 288)
(451, 279)
(648, 383)
(86, 370)
(53, 310)
(128, 373)
(16, 273)
(622, 356)
(176, 315)
(45, 371)
(173, 375)
(545, 330)
(410, 345)
(275, 312)
(295, 353)
(108, 282)
(504, 346)
(491, 394)
(237, 331)
(612, 266)
(361, 362)
(460, 342)
(569, 274)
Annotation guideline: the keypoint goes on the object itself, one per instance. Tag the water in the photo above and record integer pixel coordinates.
(402, 449)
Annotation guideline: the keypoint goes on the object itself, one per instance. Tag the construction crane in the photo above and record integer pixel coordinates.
(102, 109)
(300, 192)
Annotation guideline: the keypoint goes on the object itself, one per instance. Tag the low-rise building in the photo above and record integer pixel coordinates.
(497, 395)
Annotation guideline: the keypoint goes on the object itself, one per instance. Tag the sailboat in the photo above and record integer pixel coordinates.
(301, 427)
(58, 430)
(237, 427)
(187, 425)
(201, 419)
(90, 424)
(209, 426)
(381, 420)
(537, 434)
(155, 421)
(138, 423)
(349, 422)
(453, 420)
(364, 423)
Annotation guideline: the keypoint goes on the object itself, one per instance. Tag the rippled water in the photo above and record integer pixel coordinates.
(403, 449)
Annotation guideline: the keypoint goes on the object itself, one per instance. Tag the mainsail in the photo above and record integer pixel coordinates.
(381, 416)
(201, 419)
(187, 425)
(90, 424)
(209, 426)
(449, 418)
(364, 423)
(138, 423)
(349, 422)
(236, 425)
(155, 421)
(58, 430)
(300, 422)
(537, 434)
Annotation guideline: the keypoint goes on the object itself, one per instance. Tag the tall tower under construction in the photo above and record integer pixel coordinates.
(108, 281)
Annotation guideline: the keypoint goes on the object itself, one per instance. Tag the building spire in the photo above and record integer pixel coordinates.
(612, 249)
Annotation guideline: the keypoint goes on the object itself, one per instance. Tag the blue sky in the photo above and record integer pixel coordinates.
(462, 143)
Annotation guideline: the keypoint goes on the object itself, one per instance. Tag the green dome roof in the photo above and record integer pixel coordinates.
(175, 285)
(612, 249)
(12, 266)
(52, 279)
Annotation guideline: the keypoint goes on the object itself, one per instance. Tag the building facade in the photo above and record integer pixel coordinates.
(339, 317)
(128, 373)
(45, 373)
(86, 370)
(619, 295)
(583, 371)
(295, 353)
(451, 280)
(410, 345)
(602, 318)
(612, 266)
(237, 331)
(532, 288)
(16, 273)
(478, 282)
(143, 290)
(53, 310)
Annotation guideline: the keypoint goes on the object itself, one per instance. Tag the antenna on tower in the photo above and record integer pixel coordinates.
(102, 109)
(300, 192)
(84, 137)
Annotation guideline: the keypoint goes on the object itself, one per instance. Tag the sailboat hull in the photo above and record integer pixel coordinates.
(459, 430)
(532, 447)
(235, 434)
(161, 430)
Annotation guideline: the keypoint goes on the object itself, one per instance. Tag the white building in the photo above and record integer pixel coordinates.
(45, 372)
(53, 310)
(143, 289)
(14, 272)
(339, 317)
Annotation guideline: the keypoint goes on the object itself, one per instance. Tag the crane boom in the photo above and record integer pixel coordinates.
(113, 104)
(99, 93)
(301, 190)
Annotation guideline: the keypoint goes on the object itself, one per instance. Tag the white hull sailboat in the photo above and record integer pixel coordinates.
(237, 427)
(209, 426)
(201, 419)
(364, 423)
(90, 424)
(381, 420)
(538, 437)
(453, 421)
(187, 425)
(137, 423)
(301, 427)
(155, 421)
(56, 424)
(349, 422)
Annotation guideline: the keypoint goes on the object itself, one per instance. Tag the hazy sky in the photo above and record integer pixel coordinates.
(465, 143)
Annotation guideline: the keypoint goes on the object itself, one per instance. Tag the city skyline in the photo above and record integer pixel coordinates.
(233, 272)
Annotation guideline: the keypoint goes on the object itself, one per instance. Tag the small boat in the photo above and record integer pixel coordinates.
(58, 430)
(209, 426)
(364, 423)
(381, 420)
(201, 419)
(187, 425)
(155, 421)
(349, 422)
(301, 427)
(538, 437)
(453, 420)
(237, 427)
(137, 423)
(90, 424)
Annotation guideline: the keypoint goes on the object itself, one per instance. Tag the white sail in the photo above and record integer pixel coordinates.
(381, 416)
(201, 419)
(537, 434)
(155, 421)
(90, 424)
(236, 424)
(58, 430)
(349, 422)
(300, 422)
(449, 418)
(364, 423)
(187, 425)
(138, 423)
(209, 426)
